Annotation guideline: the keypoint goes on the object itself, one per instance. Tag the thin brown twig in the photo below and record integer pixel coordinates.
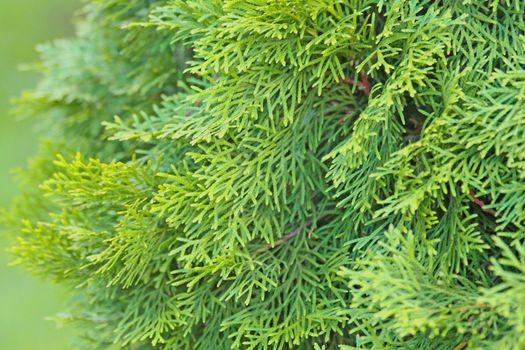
(290, 235)
(350, 81)
(362, 83)
(482, 204)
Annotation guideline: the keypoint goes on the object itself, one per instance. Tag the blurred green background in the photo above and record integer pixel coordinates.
(25, 302)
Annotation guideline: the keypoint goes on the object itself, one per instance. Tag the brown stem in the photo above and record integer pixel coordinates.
(290, 235)
(362, 83)
(350, 81)
(482, 204)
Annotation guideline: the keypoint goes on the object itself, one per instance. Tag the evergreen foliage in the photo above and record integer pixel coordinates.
(283, 174)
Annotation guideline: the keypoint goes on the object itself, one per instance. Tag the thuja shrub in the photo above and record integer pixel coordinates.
(283, 174)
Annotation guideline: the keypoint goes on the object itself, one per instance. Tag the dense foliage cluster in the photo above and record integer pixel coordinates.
(283, 174)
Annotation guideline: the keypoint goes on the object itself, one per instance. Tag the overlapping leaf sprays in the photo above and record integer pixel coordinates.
(284, 174)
